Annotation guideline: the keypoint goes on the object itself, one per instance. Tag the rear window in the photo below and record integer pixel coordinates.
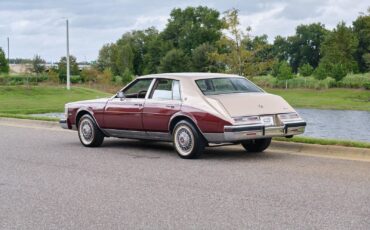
(215, 86)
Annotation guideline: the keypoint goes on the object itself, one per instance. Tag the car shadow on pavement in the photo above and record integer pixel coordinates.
(157, 149)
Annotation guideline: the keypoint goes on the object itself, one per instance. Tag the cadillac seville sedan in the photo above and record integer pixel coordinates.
(192, 110)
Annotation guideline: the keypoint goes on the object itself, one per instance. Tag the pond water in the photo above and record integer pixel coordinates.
(337, 124)
(332, 124)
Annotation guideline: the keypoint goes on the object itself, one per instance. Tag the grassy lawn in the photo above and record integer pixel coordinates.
(322, 141)
(17, 100)
(346, 99)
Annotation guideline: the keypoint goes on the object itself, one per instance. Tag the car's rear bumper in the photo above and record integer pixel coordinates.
(63, 123)
(237, 133)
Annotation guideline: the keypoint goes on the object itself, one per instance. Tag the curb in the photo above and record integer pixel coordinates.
(341, 152)
(27, 122)
(331, 151)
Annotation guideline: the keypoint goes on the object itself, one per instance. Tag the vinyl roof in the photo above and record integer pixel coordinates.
(189, 75)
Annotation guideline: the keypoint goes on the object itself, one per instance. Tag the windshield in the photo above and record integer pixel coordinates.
(214, 86)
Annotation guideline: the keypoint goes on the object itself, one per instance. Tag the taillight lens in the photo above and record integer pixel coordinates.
(289, 116)
(247, 120)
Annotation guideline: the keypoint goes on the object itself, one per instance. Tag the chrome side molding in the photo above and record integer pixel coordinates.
(133, 134)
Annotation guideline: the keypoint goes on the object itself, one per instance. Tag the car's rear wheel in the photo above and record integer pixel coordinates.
(89, 133)
(258, 145)
(188, 142)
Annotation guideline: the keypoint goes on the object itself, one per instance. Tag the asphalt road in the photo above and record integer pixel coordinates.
(49, 181)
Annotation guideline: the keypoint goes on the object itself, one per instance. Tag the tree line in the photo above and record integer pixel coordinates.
(201, 39)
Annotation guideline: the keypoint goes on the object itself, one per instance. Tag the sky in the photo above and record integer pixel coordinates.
(38, 27)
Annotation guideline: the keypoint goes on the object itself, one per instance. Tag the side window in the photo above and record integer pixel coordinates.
(138, 89)
(166, 89)
(176, 95)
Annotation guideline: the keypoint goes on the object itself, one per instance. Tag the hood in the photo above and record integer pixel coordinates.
(94, 101)
(247, 104)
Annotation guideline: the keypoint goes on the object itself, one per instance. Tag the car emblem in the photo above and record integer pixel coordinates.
(260, 106)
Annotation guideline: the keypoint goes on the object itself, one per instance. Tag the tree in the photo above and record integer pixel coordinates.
(4, 65)
(261, 60)
(304, 46)
(38, 64)
(124, 58)
(280, 48)
(305, 70)
(282, 71)
(361, 27)
(106, 58)
(62, 67)
(200, 59)
(338, 52)
(154, 49)
(189, 28)
(126, 76)
(230, 51)
(174, 61)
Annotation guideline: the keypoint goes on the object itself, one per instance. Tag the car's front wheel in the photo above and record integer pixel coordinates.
(187, 140)
(258, 145)
(89, 133)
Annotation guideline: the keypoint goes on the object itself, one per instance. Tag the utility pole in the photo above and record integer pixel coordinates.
(68, 69)
(8, 49)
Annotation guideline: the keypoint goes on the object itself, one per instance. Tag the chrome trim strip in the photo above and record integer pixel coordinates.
(239, 128)
(134, 134)
(63, 123)
(240, 133)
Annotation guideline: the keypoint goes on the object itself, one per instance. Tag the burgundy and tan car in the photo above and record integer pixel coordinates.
(192, 110)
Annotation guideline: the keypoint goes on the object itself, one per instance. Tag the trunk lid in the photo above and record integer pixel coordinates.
(247, 104)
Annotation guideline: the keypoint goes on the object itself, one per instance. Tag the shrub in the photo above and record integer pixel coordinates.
(53, 76)
(117, 80)
(367, 86)
(355, 81)
(23, 79)
(89, 75)
(282, 71)
(320, 72)
(106, 77)
(127, 76)
(76, 79)
(264, 81)
(305, 70)
(338, 72)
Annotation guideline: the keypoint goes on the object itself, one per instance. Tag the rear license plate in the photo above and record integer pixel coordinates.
(267, 120)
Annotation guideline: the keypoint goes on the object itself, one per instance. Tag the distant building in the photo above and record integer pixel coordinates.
(27, 68)
(20, 68)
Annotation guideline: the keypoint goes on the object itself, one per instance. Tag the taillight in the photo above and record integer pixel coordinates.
(247, 120)
(289, 116)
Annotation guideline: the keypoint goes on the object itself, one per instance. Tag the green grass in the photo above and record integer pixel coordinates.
(320, 141)
(18, 100)
(338, 98)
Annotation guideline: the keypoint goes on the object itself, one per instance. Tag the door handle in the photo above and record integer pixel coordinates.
(138, 104)
(170, 106)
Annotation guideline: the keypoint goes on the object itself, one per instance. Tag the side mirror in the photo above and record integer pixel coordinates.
(120, 95)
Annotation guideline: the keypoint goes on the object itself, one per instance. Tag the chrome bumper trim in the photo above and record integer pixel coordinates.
(240, 133)
(63, 123)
